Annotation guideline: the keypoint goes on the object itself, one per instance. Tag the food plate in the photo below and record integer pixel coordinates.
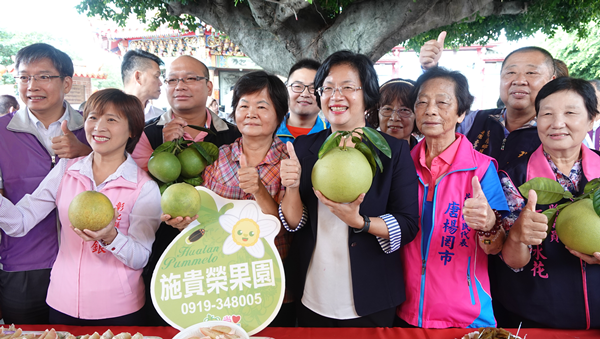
(196, 331)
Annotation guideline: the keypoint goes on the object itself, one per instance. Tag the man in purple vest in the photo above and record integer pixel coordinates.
(32, 140)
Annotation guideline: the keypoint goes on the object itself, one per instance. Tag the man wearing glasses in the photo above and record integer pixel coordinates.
(140, 72)
(188, 86)
(31, 142)
(303, 117)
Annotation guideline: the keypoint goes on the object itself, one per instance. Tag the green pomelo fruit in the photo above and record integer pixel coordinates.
(192, 163)
(578, 227)
(91, 210)
(180, 200)
(342, 174)
(164, 166)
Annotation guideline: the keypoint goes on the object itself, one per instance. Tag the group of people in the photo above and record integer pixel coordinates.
(443, 238)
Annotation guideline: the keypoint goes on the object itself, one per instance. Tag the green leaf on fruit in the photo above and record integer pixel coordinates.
(197, 181)
(202, 129)
(376, 157)
(168, 146)
(378, 140)
(596, 202)
(332, 141)
(548, 191)
(364, 149)
(208, 150)
(592, 185)
(551, 214)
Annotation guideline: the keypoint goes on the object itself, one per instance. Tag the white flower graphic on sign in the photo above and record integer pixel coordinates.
(246, 231)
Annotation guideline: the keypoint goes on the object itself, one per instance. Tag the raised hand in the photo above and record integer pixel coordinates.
(173, 130)
(431, 52)
(349, 213)
(530, 228)
(476, 211)
(67, 146)
(248, 176)
(290, 169)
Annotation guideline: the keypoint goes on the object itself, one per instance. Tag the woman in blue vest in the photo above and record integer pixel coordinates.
(541, 283)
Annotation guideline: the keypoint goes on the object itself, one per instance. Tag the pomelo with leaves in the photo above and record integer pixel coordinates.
(343, 172)
(577, 221)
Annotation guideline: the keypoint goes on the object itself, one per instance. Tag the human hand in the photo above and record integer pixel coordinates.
(531, 227)
(173, 130)
(590, 259)
(67, 146)
(179, 223)
(290, 169)
(431, 52)
(106, 235)
(349, 213)
(477, 211)
(248, 176)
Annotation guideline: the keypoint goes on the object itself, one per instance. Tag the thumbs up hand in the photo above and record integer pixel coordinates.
(476, 211)
(248, 176)
(530, 227)
(67, 145)
(431, 52)
(290, 169)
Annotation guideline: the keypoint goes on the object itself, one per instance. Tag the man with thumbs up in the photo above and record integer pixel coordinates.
(507, 133)
(31, 142)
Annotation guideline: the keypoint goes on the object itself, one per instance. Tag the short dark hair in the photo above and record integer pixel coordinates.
(255, 82)
(560, 68)
(128, 106)
(579, 86)
(6, 102)
(61, 61)
(548, 59)
(596, 83)
(461, 87)
(137, 60)
(366, 74)
(305, 63)
(390, 92)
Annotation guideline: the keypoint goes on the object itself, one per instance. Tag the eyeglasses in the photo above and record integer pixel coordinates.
(42, 79)
(188, 81)
(299, 88)
(326, 91)
(403, 112)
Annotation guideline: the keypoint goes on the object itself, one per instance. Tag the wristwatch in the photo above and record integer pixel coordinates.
(366, 226)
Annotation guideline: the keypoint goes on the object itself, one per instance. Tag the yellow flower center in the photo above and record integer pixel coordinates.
(245, 232)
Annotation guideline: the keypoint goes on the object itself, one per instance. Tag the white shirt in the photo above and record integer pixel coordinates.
(591, 142)
(46, 134)
(132, 249)
(328, 288)
(151, 112)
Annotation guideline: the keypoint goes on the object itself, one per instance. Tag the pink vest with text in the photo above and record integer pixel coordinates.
(87, 281)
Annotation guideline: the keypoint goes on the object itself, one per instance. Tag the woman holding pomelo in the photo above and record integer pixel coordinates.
(541, 282)
(96, 278)
(347, 271)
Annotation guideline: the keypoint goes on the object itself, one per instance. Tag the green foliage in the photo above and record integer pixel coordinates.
(545, 16)
(582, 56)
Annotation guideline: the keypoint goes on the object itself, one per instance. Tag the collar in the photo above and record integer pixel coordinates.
(447, 155)
(273, 156)
(21, 122)
(127, 170)
(34, 120)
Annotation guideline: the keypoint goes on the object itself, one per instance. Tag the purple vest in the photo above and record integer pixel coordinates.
(24, 163)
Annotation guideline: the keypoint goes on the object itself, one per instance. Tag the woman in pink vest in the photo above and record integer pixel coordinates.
(445, 267)
(539, 282)
(96, 278)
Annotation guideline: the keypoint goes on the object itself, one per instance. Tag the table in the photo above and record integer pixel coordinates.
(328, 333)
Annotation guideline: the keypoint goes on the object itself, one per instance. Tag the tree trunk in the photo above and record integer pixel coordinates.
(276, 34)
